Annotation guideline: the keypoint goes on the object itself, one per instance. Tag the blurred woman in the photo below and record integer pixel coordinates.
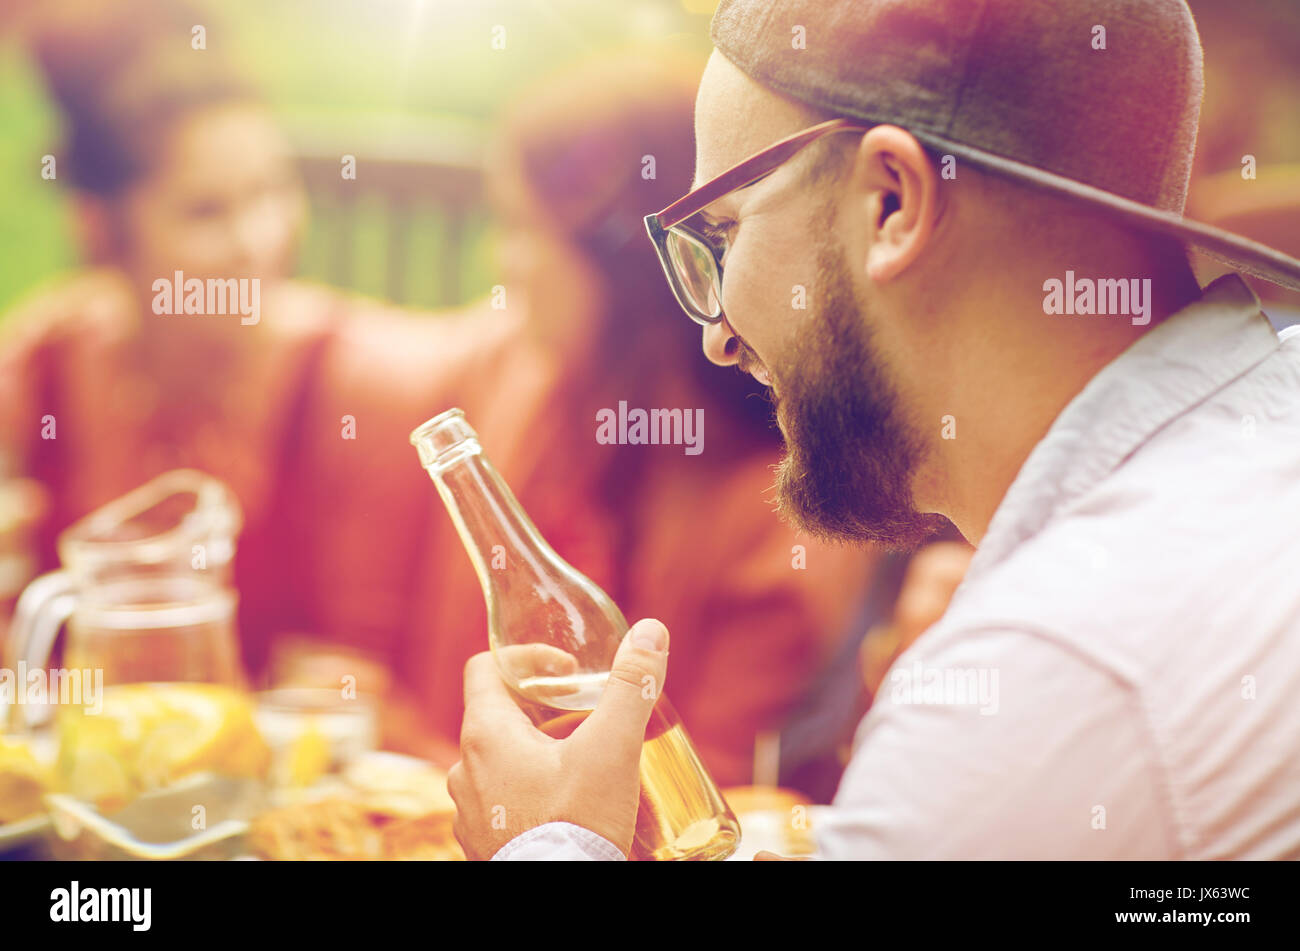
(175, 165)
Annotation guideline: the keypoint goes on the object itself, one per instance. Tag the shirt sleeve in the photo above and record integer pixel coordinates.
(1002, 745)
(559, 842)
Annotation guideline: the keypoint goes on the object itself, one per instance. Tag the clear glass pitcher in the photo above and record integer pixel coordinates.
(144, 591)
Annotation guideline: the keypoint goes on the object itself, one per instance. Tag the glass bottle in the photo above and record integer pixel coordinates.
(554, 635)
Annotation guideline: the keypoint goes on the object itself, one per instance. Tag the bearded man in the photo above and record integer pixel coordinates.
(896, 190)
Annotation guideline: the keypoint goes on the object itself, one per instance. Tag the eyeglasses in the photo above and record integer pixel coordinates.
(692, 259)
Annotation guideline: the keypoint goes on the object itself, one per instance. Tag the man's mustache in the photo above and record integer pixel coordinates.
(747, 359)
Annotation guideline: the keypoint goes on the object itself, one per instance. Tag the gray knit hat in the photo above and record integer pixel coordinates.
(1094, 99)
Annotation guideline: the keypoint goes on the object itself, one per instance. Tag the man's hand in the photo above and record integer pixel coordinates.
(512, 776)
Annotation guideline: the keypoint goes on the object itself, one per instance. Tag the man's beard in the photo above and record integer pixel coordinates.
(847, 473)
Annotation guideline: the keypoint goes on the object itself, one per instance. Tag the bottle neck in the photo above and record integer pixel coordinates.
(500, 538)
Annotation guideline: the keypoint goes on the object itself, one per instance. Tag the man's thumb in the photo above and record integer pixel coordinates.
(635, 682)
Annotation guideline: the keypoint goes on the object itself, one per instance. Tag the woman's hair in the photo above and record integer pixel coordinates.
(600, 146)
(123, 74)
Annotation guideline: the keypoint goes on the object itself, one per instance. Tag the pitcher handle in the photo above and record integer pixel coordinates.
(42, 609)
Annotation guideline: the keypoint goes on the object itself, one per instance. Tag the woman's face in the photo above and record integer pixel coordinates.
(554, 280)
(224, 201)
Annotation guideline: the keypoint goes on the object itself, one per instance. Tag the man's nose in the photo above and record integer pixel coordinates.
(721, 345)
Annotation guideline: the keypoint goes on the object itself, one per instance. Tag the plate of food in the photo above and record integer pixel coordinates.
(26, 775)
(388, 806)
(200, 816)
(14, 835)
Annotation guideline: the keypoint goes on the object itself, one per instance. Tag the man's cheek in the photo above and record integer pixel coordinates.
(753, 302)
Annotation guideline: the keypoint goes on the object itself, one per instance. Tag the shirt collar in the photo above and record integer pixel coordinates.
(1166, 372)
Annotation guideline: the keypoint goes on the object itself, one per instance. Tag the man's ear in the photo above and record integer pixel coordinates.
(901, 189)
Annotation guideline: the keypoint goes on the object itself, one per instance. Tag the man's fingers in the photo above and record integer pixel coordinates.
(521, 662)
(455, 776)
(635, 682)
(489, 705)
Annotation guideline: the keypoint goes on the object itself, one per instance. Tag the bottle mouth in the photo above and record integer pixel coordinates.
(444, 439)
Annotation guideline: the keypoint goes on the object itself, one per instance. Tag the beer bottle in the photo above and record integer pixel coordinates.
(554, 635)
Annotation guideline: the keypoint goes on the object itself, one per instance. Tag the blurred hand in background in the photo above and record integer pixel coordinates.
(928, 586)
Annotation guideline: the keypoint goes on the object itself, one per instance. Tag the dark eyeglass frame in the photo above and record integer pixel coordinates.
(758, 166)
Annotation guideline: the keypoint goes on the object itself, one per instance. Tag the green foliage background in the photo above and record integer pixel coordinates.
(409, 67)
